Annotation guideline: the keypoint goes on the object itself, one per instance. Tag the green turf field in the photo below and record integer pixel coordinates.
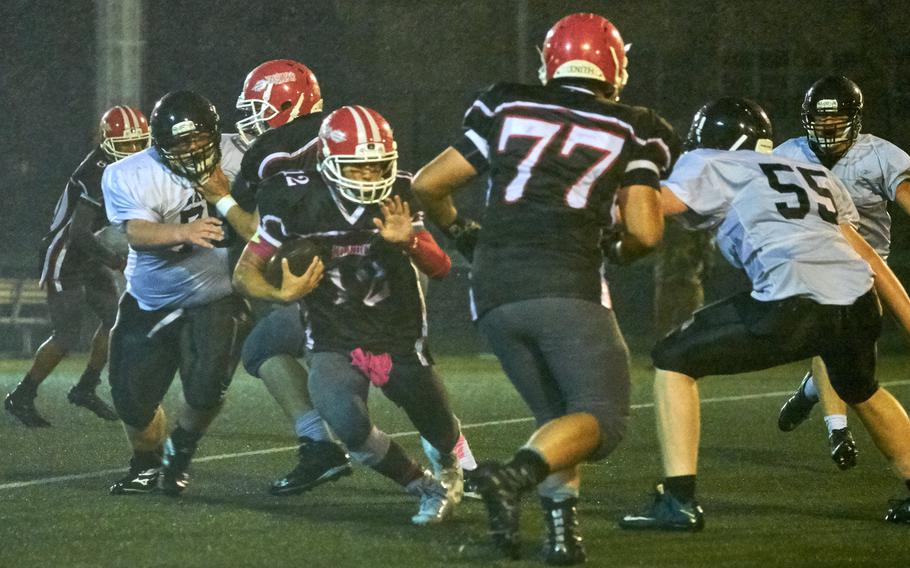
(771, 499)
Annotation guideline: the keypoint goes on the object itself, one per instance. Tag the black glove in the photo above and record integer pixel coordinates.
(464, 232)
(610, 244)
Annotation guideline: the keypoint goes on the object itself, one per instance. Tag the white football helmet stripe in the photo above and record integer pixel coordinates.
(358, 122)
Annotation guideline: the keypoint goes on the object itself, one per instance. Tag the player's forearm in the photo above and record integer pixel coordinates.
(902, 196)
(435, 183)
(244, 223)
(427, 255)
(83, 239)
(148, 235)
(249, 279)
(887, 285)
(640, 209)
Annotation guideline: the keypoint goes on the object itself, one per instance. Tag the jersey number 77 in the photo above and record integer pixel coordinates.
(543, 133)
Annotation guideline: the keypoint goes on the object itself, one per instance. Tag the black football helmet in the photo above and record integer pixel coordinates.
(730, 123)
(832, 115)
(185, 132)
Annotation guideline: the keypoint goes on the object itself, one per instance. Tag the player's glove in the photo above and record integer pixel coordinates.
(611, 245)
(464, 232)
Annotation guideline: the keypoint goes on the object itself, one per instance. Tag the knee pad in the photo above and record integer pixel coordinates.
(855, 391)
(372, 449)
(131, 412)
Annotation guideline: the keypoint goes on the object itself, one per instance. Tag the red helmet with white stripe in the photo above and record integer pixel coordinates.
(275, 93)
(358, 154)
(584, 46)
(124, 131)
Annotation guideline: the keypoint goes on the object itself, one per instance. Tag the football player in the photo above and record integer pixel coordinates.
(78, 271)
(366, 320)
(283, 106)
(789, 225)
(556, 156)
(875, 172)
(178, 310)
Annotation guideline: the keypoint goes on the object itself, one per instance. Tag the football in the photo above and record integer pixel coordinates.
(299, 252)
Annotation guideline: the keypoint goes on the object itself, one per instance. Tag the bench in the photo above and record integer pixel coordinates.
(23, 308)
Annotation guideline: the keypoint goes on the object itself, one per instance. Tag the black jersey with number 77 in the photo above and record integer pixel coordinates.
(555, 155)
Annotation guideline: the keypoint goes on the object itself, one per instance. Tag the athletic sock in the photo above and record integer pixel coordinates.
(809, 390)
(185, 441)
(89, 380)
(397, 466)
(682, 487)
(27, 388)
(143, 460)
(836, 422)
(530, 465)
(310, 425)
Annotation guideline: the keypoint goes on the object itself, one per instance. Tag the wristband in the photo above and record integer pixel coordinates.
(224, 205)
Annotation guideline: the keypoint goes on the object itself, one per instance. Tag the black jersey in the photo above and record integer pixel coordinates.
(556, 157)
(291, 146)
(60, 260)
(369, 296)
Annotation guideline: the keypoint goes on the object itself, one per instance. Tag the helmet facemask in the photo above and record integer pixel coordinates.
(363, 191)
(829, 134)
(194, 156)
(119, 147)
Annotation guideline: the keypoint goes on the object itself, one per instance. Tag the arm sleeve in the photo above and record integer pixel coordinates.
(697, 183)
(272, 201)
(843, 203)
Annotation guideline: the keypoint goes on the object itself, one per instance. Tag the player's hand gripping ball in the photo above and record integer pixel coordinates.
(299, 252)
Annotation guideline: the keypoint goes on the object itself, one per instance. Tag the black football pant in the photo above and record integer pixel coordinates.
(741, 334)
(149, 347)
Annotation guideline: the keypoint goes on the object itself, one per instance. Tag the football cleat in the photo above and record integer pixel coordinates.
(797, 408)
(666, 513)
(319, 462)
(174, 465)
(471, 490)
(446, 469)
(88, 399)
(899, 512)
(563, 545)
(435, 506)
(137, 482)
(501, 488)
(23, 408)
(843, 448)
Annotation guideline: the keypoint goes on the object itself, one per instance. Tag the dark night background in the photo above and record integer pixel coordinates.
(418, 63)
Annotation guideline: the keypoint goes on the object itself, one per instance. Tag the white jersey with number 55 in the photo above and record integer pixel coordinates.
(777, 219)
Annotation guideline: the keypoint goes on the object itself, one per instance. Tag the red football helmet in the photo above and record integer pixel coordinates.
(584, 46)
(275, 93)
(360, 137)
(124, 131)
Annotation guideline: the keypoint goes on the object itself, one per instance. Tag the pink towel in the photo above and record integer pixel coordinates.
(374, 367)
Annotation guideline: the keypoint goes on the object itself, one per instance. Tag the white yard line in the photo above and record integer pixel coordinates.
(105, 472)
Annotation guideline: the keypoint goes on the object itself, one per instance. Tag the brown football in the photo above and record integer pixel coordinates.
(299, 252)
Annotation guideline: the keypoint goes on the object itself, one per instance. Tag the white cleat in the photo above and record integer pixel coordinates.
(435, 506)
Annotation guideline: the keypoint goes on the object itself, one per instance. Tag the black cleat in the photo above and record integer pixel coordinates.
(501, 490)
(319, 462)
(174, 465)
(137, 482)
(899, 512)
(797, 408)
(843, 448)
(666, 513)
(471, 491)
(23, 408)
(88, 399)
(563, 546)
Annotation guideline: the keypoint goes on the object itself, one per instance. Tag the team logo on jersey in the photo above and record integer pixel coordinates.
(348, 250)
(826, 105)
(183, 127)
(275, 79)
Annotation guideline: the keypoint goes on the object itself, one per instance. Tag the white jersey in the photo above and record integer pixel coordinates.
(871, 170)
(142, 187)
(778, 220)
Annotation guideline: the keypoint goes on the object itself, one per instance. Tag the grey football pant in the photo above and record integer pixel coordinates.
(564, 356)
(339, 393)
